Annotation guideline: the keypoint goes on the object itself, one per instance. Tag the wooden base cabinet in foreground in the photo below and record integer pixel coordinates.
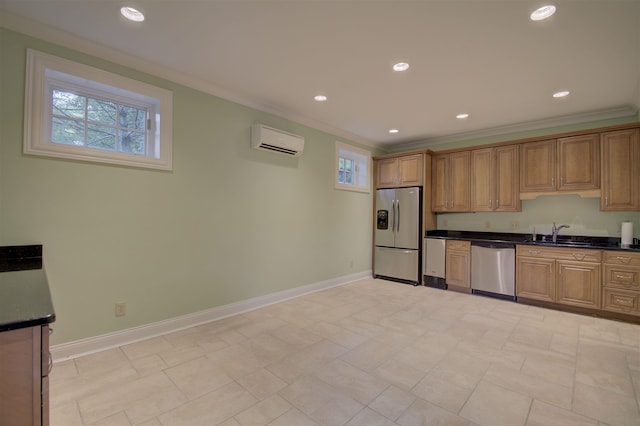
(621, 282)
(559, 275)
(24, 381)
(458, 265)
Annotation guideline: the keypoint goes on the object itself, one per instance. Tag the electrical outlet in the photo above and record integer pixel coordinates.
(487, 224)
(515, 224)
(121, 309)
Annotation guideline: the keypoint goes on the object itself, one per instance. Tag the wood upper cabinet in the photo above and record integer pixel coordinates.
(537, 166)
(458, 263)
(620, 170)
(560, 275)
(450, 184)
(579, 163)
(400, 171)
(565, 164)
(494, 179)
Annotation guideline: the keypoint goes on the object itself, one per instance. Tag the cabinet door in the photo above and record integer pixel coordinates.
(459, 175)
(620, 171)
(410, 170)
(386, 172)
(579, 163)
(579, 284)
(439, 181)
(535, 278)
(458, 263)
(482, 180)
(507, 187)
(537, 166)
(20, 377)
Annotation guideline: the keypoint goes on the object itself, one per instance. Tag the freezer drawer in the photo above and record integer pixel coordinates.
(397, 263)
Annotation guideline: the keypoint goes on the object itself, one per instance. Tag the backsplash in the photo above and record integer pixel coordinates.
(583, 216)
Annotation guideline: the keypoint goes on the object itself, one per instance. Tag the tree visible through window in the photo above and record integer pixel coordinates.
(97, 123)
(352, 168)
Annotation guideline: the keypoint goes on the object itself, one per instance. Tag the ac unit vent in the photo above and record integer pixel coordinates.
(278, 141)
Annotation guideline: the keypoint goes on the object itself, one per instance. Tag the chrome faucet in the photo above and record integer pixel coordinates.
(555, 230)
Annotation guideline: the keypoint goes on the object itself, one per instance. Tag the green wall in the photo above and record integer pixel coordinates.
(228, 224)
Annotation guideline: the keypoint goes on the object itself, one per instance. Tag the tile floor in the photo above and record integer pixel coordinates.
(368, 353)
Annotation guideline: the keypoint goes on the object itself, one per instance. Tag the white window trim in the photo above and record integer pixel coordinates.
(37, 140)
(362, 157)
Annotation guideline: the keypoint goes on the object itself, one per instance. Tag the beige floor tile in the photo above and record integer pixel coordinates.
(237, 360)
(146, 347)
(320, 401)
(338, 335)
(359, 385)
(423, 413)
(370, 354)
(148, 365)
(533, 386)
(100, 362)
(211, 408)
(123, 396)
(263, 412)
(262, 384)
(296, 336)
(306, 361)
(399, 374)
(175, 356)
(119, 419)
(606, 406)
(293, 417)
(368, 417)
(543, 414)
(442, 392)
(392, 402)
(198, 377)
(491, 404)
(555, 369)
(66, 414)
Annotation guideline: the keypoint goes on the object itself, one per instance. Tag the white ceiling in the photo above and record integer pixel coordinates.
(485, 58)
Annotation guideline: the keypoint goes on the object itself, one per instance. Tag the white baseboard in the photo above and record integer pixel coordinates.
(91, 345)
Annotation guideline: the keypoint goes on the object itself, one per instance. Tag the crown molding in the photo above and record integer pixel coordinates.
(605, 114)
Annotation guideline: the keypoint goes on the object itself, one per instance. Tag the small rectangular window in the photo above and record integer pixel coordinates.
(352, 168)
(76, 111)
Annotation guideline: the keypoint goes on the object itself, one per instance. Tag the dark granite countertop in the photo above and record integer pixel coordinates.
(570, 241)
(25, 300)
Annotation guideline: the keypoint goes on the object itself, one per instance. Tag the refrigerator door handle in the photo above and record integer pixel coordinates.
(393, 218)
(398, 209)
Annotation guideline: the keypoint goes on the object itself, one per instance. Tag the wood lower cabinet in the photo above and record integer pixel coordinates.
(399, 171)
(24, 382)
(494, 179)
(621, 282)
(458, 265)
(559, 275)
(620, 170)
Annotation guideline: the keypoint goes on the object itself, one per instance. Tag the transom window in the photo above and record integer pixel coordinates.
(352, 168)
(76, 111)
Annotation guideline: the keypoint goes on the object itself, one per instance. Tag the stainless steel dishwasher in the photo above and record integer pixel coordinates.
(493, 269)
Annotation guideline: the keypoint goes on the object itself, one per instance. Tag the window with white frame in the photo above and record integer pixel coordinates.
(80, 112)
(352, 168)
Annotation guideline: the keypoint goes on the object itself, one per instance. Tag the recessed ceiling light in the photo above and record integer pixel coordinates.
(401, 66)
(320, 98)
(561, 94)
(393, 130)
(462, 116)
(542, 12)
(132, 14)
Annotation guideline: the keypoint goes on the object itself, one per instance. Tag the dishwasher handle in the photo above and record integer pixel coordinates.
(493, 244)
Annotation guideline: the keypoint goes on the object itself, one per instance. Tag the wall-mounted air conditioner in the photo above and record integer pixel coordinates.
(278, 141)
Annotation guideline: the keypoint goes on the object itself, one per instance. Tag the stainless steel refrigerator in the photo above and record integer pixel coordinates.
(397, 235)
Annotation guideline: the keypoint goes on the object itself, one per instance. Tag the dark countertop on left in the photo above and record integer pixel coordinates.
(25, 300)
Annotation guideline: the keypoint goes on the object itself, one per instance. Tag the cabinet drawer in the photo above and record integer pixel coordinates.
(622, 276)
(581, 255)
(622, 258)
(621, 301)
(458, 245)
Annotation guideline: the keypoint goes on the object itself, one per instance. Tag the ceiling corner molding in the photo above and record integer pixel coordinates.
(606, 114)
(66, 39)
